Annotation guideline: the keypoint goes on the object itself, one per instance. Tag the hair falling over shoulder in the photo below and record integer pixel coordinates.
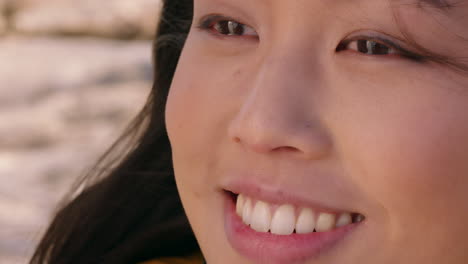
(131, 212)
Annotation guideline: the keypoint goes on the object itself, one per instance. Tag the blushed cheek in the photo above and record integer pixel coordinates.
(183, 123)
(429, 163)
(185, 126)
(196, 122)
(203, 100)
(419, 173)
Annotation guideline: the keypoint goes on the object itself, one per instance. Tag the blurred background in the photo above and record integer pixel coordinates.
(72, 75)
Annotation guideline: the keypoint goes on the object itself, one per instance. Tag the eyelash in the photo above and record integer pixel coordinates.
(209, 23)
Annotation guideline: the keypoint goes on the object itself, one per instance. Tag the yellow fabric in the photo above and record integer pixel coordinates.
(194, 259)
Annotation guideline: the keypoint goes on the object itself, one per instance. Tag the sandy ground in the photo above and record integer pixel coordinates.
(63, 101)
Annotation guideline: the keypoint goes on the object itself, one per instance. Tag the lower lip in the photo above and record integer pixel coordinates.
(278, 249)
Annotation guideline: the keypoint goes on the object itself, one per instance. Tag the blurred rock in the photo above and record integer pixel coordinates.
(34, 68)
(115, 19)
(63, 101)
(62, 104)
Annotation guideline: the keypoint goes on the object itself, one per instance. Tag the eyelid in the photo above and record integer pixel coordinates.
(208, 20)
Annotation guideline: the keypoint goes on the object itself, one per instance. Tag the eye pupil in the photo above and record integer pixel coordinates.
(222, 27)
(237, 28)
(228, 27)
(372, 48)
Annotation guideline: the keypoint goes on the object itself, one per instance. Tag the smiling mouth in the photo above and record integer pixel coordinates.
(287, 219)
(271, 227)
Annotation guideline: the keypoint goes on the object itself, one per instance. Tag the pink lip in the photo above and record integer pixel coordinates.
(276, 249)
(251, 188)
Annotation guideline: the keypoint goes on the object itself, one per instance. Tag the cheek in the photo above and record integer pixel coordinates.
(198, 111)
(406, 147)
(426, 165)
(202, 101)
(415, 164)
(187, 122)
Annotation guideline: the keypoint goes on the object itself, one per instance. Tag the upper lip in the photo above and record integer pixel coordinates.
(326, 197)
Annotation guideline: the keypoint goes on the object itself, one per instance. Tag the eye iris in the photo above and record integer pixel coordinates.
(227, 27)
(237, 29)
(372, 48)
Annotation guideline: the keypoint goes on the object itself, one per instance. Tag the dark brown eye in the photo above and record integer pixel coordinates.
(378, 46)
(227, 27)
(232, 28)
(370, 47)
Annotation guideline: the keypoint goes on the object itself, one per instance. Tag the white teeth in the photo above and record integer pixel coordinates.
(305, 222)
(325, 222)
(258, 215)
(240, 204)
(283, 221)
(261, 217)
(247, 211)
(344, 219)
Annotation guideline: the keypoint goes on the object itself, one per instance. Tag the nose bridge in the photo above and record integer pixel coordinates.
(277, 94)
(278, 112)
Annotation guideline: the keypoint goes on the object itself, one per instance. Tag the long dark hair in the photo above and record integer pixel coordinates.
(130, 213)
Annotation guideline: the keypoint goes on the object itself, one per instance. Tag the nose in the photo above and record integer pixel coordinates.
(279, 113)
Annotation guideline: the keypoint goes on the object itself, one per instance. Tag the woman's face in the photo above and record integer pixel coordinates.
(321, 116)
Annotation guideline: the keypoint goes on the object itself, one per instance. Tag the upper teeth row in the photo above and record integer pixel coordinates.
(282, 221)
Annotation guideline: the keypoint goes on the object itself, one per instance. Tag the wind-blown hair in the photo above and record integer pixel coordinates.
(132, 212)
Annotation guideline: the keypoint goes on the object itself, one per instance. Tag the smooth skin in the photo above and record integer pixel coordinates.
(382, 135)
